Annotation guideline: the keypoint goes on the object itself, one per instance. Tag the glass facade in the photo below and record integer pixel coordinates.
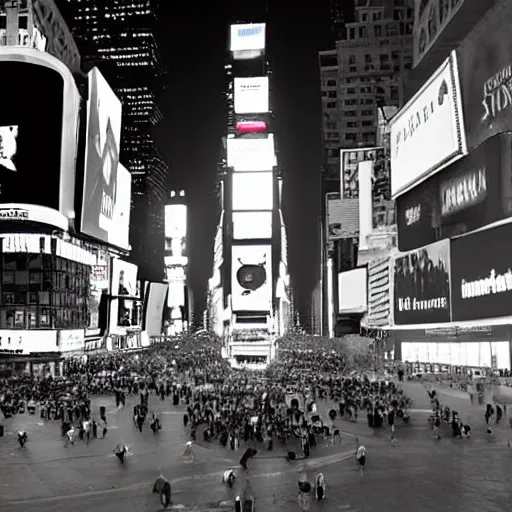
(42, 291)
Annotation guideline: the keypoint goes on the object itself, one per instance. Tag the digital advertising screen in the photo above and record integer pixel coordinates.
(175, 220)
(101, 190)
(154, 303)
(253, 191)
(248, 36)
(38, 134)
(252, 225)
(124, 278)
(251, 95)
(352, 290)
(251, 281)
(246, 155)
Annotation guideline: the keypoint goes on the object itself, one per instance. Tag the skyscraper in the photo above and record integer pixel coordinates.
(120, 39)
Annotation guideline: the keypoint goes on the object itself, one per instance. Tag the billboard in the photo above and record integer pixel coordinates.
(176, 278)
(379, 293)
(481, 274)
(473, 192)
(252, 225)
(251, 126)
(99, 285)
(251, 95)
(342, 217)
(124, 279)
(253, 191)
(485, 73)
(430, 19)
(251, 281)
(251, 154)
(38, 139)
(352, 290)
(154, 308)
(249, 36)
(350, 160)
(427, 134)
(175, 235)
(422, 285)
(101, 190)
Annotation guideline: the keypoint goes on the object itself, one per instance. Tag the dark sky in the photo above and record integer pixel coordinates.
(194, 43)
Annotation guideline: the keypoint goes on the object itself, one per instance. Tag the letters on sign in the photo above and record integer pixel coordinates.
(495, 283)
(463, 191)
(412, 215)
(14, 214)
(497, 93)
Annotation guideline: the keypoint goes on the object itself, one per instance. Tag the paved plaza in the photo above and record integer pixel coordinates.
(418, 474)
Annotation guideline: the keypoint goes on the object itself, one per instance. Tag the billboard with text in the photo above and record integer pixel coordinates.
(253, 191)
(251, 278)
(251, 95)
(254, 154)
(247, 37)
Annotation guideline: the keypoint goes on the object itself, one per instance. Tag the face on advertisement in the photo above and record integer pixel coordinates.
(30, 136)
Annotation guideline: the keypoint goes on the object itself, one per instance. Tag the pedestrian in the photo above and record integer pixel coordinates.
(361, 458)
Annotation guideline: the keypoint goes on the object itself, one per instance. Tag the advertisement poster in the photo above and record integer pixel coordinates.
(485, 75)
(422, 285)
(379, 293)
(252, 225)
(251, 279)
(99, 286)
(246, 155)
(249, 36)
(353, 290)
(101, 188)
(482, 274)
(251, 95)
(253, 191)
(350, 159)
(430, 19)
(154, 308)
(342, 217)
(427, 134)
(473, 192)
(124, 278)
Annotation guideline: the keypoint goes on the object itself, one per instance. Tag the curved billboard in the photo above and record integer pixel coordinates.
(39, 115)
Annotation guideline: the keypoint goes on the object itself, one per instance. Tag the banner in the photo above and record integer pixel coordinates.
(38, 138)
(485, 75)
(379, 293)
(427, 134)
(251, 279)
(422, 285)
(350, 160)
(251, 95)
(249, 36)
(430, 19)
(101, 190)
(481, 274)
(473, 192)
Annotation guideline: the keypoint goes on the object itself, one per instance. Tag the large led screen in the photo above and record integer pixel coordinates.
(175, 220)
(251, 95)
(101, 190)
(253, 191)
(353, 290)
(154, 302)
(252, 225)
(251, 280)
(249, 36)
(124, 278)
(251, 154)
(38, 134)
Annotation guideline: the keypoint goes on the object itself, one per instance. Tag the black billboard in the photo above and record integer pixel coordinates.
(422, 285)
(485, 75)
(471, 193)
(31, 117)
(481, 274)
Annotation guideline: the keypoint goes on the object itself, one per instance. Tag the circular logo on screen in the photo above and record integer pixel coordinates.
(251, 277)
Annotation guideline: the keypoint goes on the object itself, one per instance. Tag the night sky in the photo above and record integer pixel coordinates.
(193, 44)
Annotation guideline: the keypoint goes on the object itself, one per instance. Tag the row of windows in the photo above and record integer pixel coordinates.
(398, 14)
(23, 261)
(379, 30)
(36, 281)
(40, 317)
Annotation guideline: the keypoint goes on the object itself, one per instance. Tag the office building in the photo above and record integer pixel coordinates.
(120, 39)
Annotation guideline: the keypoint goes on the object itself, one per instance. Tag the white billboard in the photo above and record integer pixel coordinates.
(251, 95)
(251, 279)
(253, 191)
(177, 279)
(249, 36)
(251, 154)
(175, 220)
(252, 225)
(124, 278)
(353, 291)
(154, 308)
(428, 134)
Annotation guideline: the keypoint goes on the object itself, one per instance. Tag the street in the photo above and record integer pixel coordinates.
(418, 474)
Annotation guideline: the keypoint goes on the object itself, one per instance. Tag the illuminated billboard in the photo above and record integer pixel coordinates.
(251, 126)
(176, 278)
(249, 36)
(251, 281)
(251, 95)
(253, 191)
(251, 154)
(252, 225)
(175, 235)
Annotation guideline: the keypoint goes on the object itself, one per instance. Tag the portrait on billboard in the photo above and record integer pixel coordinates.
(8, 148)
(102, 159)
(422, 285)
(251, 277)
(482, 275)
(124, 278)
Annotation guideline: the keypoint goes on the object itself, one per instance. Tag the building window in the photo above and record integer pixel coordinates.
(351, 90)
(352, 69)
(324, 94)
(367, 112)
(331, 83)
(350, 136)
(364, 16)
(384, 57)
(352, 59)
(331, 104)
(377, 16)
(366, 101)
(391, 30)
(368, 58)
(42, 292)
(332, 126)
(366, 124)
(332, 94)
(350, 113)
(351, 124)
(378, 30)
(394, 93)
(350, 102)
(363, 33)
(352, 33)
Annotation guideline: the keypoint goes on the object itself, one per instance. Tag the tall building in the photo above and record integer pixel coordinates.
(341, 12)
(364, 71)
(120, 39)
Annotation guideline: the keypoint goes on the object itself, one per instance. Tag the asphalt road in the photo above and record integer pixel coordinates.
(418, 474)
